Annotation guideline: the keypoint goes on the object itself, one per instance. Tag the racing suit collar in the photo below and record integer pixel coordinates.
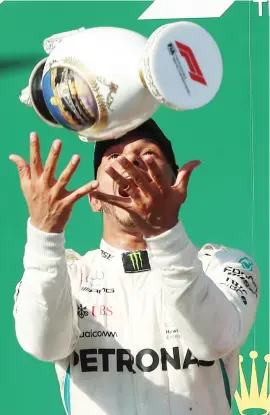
(131, 261)
(105, 247)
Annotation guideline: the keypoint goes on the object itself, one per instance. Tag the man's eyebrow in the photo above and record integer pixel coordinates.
(115, 147)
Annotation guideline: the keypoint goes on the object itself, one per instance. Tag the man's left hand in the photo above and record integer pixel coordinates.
(151, 201)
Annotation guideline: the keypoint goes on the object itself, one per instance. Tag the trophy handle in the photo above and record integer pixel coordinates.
(50, 43)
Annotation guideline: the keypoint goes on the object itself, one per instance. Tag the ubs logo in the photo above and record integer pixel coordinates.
(101, 310)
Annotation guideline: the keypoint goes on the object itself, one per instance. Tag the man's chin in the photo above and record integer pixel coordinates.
(120, 215)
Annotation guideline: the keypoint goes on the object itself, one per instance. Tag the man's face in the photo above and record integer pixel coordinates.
(136, 150)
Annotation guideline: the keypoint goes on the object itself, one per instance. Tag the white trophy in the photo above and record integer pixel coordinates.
(103, 82)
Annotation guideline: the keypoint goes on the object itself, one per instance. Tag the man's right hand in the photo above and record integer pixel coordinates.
(49, 203)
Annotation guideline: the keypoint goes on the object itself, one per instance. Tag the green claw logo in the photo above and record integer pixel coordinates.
(136, 259)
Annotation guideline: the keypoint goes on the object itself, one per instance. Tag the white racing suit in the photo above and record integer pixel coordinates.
(138, 333)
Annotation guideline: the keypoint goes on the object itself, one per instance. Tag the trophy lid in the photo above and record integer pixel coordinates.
(182, 66)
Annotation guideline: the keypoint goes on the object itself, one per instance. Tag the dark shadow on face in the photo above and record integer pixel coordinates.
(136, 149)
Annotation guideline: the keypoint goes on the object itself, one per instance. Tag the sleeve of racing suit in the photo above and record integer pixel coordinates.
(211, 295)
(45, 309)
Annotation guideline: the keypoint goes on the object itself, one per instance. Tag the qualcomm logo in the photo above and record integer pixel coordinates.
(98, 333)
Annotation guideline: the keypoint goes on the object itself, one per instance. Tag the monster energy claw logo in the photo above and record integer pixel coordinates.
(137, 261)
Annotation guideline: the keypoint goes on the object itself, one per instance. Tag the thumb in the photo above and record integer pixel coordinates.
(184, 173)
(22, 166)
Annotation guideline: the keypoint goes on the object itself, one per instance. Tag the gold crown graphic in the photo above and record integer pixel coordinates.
(253, 398)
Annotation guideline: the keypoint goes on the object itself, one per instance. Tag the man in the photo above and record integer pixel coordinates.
(147, 324)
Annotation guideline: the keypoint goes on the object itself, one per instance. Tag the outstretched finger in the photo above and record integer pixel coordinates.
(81, 192)
(119, 201)
(35, 158)
(125, 184)
(138, 177)
(156, 173)
(22, 166)
(51, 162)
(184, 175)
(66, 175)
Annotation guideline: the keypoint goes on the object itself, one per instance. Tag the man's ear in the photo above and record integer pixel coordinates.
(95, 204)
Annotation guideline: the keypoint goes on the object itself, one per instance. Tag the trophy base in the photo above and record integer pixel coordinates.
(182, 66)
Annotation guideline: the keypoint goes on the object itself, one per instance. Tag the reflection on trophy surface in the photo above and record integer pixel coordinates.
(103, 82)
(73, 97)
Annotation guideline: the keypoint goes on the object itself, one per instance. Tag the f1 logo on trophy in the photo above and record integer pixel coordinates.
(103, 82)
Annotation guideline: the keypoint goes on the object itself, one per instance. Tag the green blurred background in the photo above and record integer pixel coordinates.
(229, 194)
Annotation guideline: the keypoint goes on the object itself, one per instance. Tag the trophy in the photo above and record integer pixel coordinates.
(103, 82)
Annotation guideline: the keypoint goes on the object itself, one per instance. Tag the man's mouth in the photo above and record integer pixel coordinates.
(122, 193)
(121, 190)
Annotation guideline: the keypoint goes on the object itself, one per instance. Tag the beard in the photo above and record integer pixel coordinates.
(119, 215)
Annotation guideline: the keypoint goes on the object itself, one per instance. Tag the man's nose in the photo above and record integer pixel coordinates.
(135, 159)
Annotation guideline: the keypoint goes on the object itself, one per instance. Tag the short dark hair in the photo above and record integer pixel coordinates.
(148, 129)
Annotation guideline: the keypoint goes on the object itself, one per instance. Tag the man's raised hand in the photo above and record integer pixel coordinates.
(153, 204)
(49, 203)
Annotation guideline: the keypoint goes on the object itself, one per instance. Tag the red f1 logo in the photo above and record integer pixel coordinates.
(195, 71)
